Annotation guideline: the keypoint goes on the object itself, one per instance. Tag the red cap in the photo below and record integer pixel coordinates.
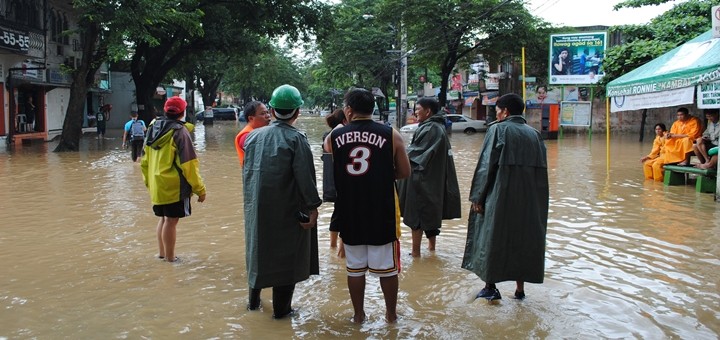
(175, 105)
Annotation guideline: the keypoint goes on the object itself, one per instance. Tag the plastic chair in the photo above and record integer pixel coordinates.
(21, 123)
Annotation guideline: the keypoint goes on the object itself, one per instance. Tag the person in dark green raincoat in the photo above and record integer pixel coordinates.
(281, 247)
(509, 195)
(431, 193)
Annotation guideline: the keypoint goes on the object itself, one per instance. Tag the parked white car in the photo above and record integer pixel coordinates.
(460, 123)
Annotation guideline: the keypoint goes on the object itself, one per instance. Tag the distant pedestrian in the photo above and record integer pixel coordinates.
(208, 116)
(509, 195)
(102, 117)
(281, 201)
(30, 112)
(367, 159)
(134, 132)
(171, 172)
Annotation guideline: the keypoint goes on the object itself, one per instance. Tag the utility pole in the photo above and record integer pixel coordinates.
(401, 98)
(401, 119)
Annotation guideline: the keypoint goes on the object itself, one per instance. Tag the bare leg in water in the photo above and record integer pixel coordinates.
(389, 286)
(166, 237)
(356, 286)
(416, 241)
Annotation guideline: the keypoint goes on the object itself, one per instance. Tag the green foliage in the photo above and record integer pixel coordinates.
(255, 75)
(354, 50)
(444, 33)
(643, 43)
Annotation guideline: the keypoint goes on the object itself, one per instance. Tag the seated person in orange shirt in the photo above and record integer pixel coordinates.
(654, 161)
(257, 116)
(679, 141)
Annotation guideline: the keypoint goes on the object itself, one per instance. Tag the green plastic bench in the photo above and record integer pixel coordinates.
(677, 175)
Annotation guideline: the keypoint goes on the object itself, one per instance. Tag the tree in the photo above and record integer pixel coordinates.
(354, 50)
(224, 24)
(103, 26)
(461, 27)
(643, 43)
(255, 76)
(157, 35)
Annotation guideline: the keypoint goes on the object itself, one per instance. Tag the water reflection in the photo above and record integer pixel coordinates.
(625, 257)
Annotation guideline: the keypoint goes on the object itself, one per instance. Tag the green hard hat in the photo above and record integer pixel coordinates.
(286, 97)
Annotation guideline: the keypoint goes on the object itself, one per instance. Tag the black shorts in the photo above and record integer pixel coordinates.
(708, 144)
(178, 209)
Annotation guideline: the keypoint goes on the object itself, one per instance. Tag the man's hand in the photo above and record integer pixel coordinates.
(313, 220)
(201, 198)
(478, 208)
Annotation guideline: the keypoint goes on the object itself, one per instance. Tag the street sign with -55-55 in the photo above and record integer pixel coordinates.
(13, 39)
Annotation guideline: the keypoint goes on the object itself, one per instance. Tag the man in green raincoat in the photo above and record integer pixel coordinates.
(431, 193)
(279, 186)
(509, 195)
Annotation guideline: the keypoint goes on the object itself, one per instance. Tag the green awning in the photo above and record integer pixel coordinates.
(695, 62)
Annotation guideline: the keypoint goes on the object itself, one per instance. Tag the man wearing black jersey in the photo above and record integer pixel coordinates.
(367, 158)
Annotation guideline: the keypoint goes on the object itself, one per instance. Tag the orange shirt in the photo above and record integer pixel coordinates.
(239, 148)
(658, 147)
(677, 148)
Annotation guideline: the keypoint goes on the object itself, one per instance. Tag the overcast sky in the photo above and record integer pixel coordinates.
(594, 12)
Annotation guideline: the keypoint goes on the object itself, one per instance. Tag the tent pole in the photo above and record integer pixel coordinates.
(607, 133)
(642, 125)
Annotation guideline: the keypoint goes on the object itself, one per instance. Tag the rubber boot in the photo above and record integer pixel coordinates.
(282, 298)
(254, 302)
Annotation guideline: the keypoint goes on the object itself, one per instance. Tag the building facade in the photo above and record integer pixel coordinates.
(39, 42)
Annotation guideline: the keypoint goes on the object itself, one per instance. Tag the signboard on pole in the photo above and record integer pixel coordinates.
(577, 58)
(708, 95)
(575, 113)
(715, 13)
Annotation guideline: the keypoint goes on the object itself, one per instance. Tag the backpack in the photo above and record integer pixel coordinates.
(137, 130)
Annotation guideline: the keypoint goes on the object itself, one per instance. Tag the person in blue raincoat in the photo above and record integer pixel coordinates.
(431, 193)
(281, 201)
(509, 195)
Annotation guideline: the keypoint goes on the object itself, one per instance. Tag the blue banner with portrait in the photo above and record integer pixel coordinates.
(577, 58)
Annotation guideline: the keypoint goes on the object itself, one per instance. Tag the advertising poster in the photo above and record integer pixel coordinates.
(577, 58)
(537, 95)
(575, 113)
(493, 81)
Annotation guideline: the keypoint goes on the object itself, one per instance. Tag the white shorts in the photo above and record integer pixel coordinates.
(381, 261)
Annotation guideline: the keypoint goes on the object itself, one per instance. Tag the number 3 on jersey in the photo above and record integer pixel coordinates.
(359, 164)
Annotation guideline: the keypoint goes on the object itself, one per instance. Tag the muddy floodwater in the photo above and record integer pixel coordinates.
(626, 258)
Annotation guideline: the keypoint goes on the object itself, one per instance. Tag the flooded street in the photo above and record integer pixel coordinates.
(626, 258)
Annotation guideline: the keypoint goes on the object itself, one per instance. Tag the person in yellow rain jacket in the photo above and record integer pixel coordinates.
(654, 161)
(679, 141)
(171, 172)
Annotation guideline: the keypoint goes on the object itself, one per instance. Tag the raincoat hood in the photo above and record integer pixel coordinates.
(158, 135)
(514, 118)
(438, 117)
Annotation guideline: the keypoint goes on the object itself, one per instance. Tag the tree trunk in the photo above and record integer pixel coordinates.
(83, 76)
(444, 77)
(144, 92)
